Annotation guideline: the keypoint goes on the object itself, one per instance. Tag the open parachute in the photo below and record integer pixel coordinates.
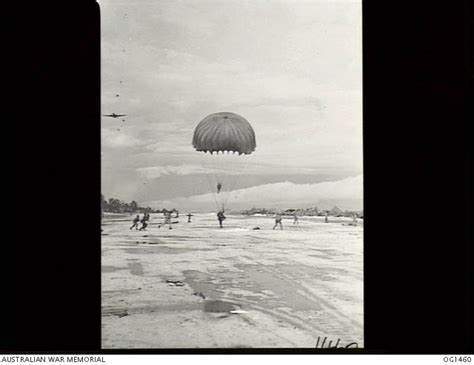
(224, 139)
(224, 132)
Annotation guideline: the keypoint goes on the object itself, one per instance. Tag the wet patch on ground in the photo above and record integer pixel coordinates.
(267, 287)
(201, 283)
(136, 268)
(167, 250)
(264, 288)
(284, 289)
(217, 306)
(318, 256)
(118, 311)
(106, 269)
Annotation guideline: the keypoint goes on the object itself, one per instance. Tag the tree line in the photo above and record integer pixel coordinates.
(315, 211)
(113, 205)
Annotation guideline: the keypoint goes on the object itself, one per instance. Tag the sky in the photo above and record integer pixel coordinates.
(293, 69)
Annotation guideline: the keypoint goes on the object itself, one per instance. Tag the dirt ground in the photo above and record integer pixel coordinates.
(198, 286)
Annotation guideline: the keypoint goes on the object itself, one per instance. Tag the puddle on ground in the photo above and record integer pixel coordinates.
(217, 306)
(136, 268)
(254, 280)
(106, 269)
(259, 280)
(154, 242)
(167, 250)
(183, 238)
(201, 283)
(285, 290)
(326, 251)
(319, 256)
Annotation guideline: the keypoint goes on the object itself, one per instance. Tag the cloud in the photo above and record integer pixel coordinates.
(225, 168)
(117, 139)
(347, 193)
(154, 172)
(170, 146)
(292, 69)
(280, 102)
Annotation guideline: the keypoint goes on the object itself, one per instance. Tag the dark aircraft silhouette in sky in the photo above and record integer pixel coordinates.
(113, 115)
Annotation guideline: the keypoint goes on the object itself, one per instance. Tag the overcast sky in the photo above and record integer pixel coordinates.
(293, 69)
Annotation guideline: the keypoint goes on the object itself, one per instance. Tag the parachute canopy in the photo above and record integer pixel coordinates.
(224, 131)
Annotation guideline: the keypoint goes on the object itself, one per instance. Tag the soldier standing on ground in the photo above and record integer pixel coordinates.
(278, 221)
(220, 217)
(135, 222)
(295, 216)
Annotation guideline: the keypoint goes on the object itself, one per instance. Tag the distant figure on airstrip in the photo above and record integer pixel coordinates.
(326, 218)
(354, 219)
(220, 217)
(135, 222)
(143, 221)
(278, 221)
(295, 217)
(189, 215)
(168, 218)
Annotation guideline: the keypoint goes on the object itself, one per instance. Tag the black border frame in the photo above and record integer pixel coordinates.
(417, 164)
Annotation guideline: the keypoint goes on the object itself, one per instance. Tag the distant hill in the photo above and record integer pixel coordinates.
(346, 194)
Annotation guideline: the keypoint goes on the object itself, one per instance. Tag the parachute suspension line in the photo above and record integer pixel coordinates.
(224, 133)
(219, 165)
(224, 171)
(214, 180)
(233, 182)
(232, 175)
(216, 190)
(251, 169)
(210, 183)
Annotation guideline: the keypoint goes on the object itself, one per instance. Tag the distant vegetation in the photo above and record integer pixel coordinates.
(113, 205)
(315, 211)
